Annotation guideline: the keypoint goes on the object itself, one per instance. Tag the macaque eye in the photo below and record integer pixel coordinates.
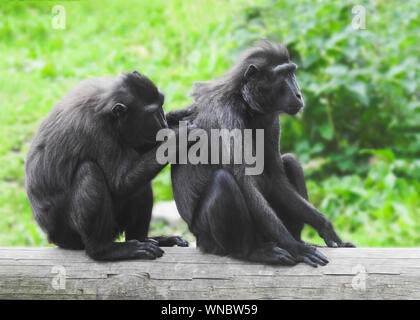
(151, 108)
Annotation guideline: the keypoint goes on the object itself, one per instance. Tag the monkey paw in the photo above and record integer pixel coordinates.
(337, 243)
(309, 255)
(143, 250)
(165, 241)
(272, 255)
(331, 238)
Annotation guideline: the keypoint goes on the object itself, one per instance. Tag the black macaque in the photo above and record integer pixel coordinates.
(251, 217)
(90, 165)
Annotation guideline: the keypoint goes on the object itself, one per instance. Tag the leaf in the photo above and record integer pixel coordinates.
(360, 91)
(384, 154)
(337, 70)
(326, 132)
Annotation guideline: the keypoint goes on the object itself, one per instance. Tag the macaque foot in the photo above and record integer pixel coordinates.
(131, 249)
(309, 255)
(272, 255)
(342, 245)
(143, 250)
(169, 241)
(331, 238)
(339, 244)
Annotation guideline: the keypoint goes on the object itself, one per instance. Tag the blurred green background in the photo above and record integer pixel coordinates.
(359, 135)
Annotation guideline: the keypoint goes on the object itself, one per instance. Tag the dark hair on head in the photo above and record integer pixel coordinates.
(263, 54)
(139, 83)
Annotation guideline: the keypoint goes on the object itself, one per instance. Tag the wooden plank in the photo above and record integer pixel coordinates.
(186, 273)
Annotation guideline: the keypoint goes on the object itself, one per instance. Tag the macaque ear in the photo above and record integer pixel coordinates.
(250, 71)
(118, 109)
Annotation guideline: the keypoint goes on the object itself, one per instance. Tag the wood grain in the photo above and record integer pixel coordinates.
(186, 273)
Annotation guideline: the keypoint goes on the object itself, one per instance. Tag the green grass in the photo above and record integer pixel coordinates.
(173, 42)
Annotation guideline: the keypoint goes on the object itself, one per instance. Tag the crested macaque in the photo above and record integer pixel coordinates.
(250, 217)
(90, 165)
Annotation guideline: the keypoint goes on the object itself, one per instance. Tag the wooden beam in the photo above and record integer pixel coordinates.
(185, 273)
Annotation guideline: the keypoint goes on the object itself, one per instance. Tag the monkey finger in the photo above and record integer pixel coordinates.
(318, 260)
(155, 252)
(158, 252)
(309, 261)
(321, 256)
(152, 241)
(170, 241)
(285, 254)
(331, 244)
(180, 242)
(287, 261)
(348, 245)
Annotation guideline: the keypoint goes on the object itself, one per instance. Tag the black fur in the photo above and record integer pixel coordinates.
(257, 218)
(90, 164)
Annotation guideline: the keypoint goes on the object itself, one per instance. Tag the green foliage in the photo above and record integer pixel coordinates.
(380, 209)
(361, 87)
